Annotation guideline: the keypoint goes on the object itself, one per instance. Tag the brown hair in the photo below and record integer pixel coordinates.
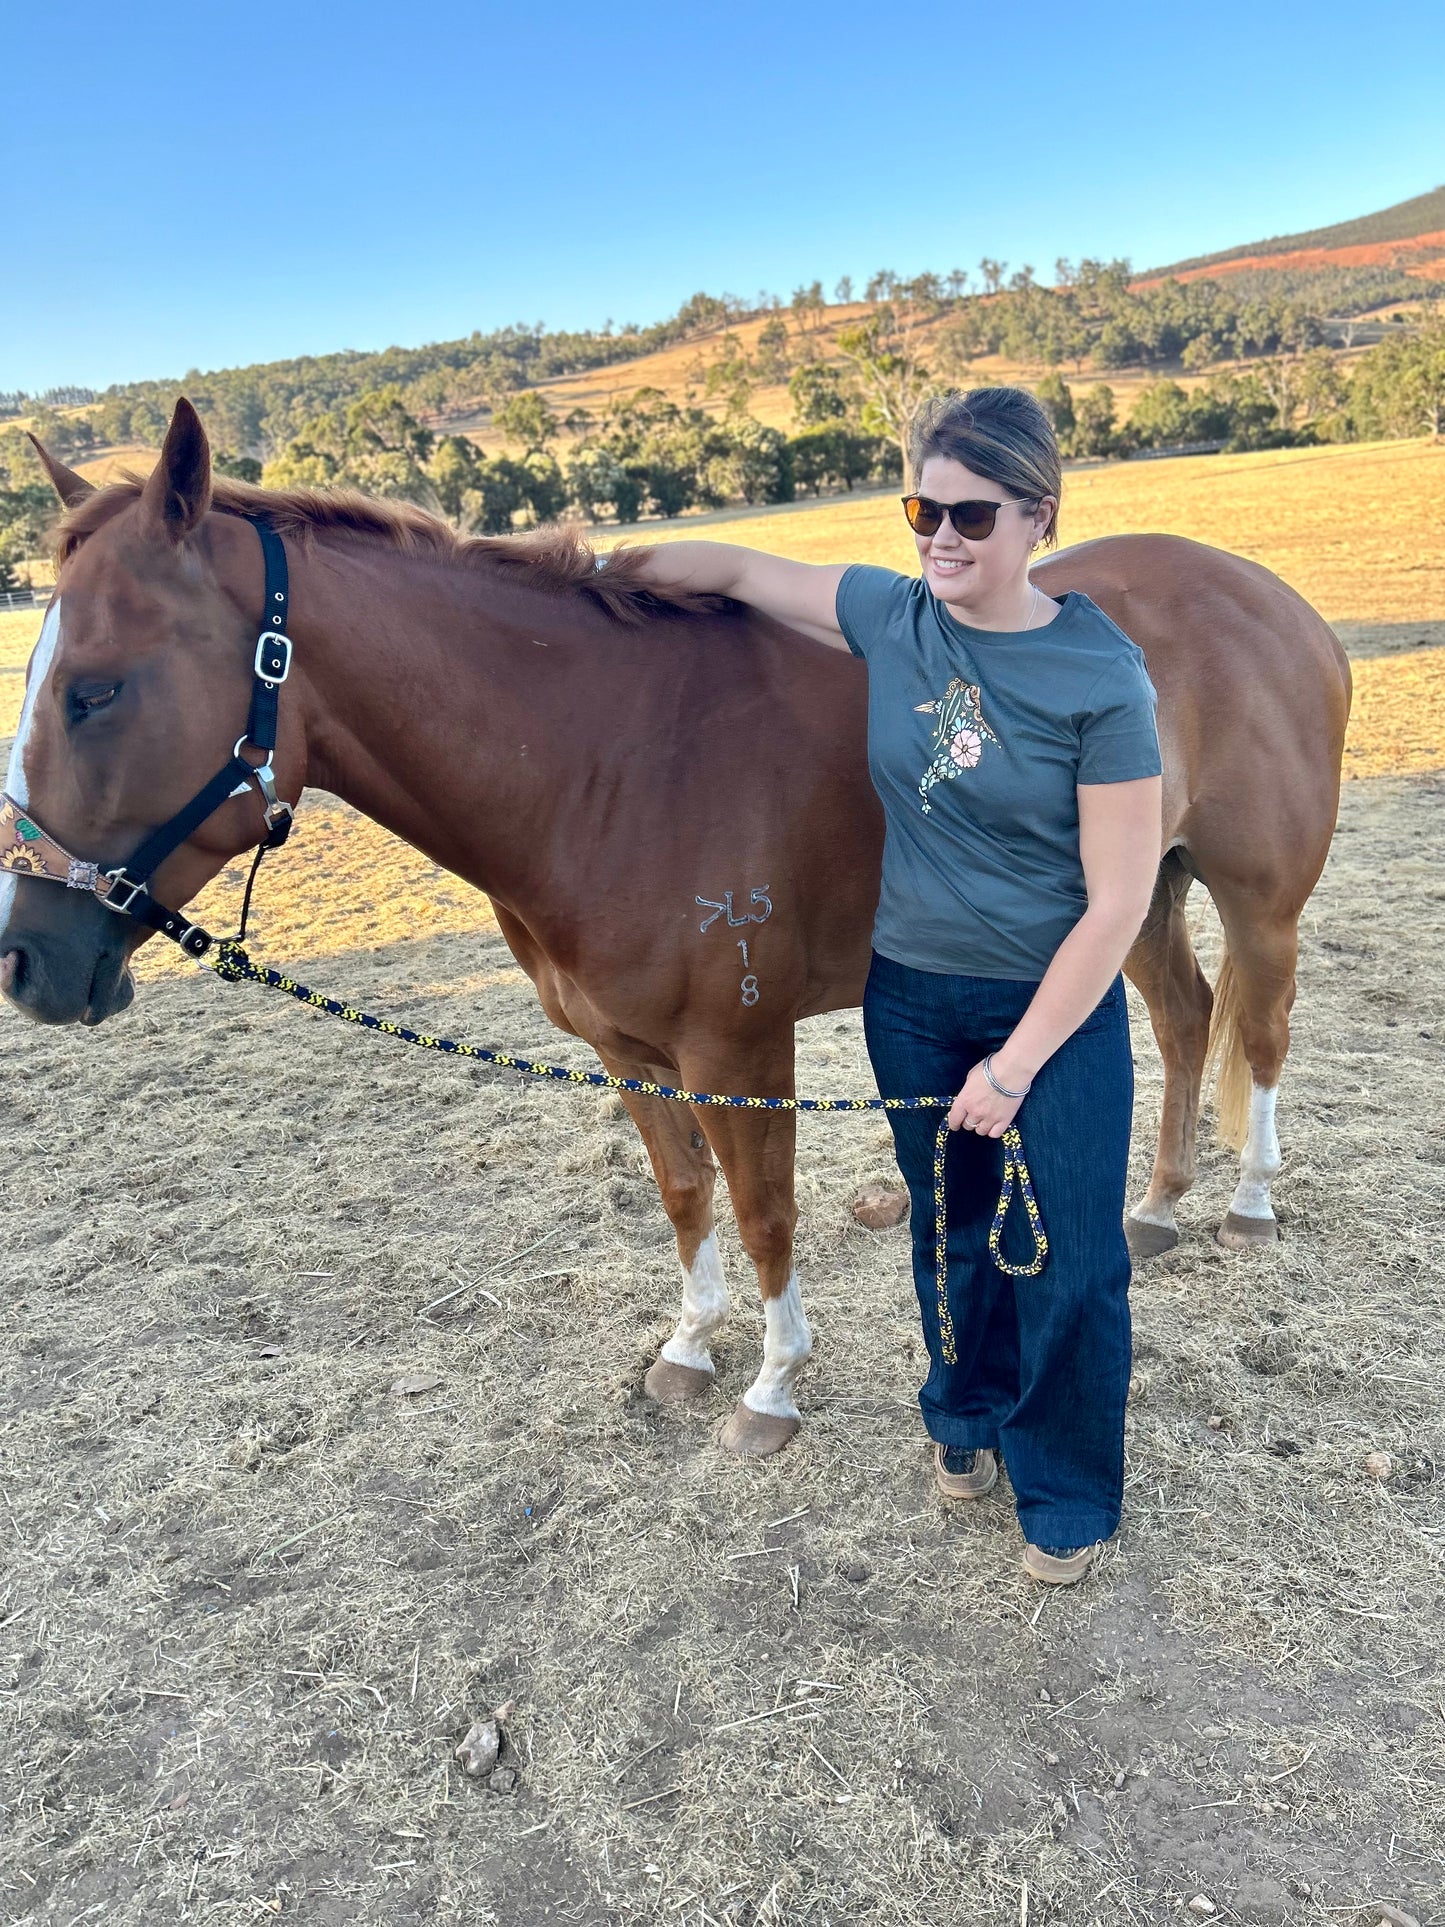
(1001, 433)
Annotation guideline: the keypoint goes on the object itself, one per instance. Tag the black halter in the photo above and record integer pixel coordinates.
(122, 887)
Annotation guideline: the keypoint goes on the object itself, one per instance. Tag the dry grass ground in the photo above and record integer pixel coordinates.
(252, 1595)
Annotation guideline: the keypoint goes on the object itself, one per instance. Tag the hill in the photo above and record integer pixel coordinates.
(1386, 238)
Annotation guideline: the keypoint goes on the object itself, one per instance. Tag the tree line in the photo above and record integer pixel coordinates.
(650, 454)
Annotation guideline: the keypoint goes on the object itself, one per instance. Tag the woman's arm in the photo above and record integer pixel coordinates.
(1120, 831)
(800, 594)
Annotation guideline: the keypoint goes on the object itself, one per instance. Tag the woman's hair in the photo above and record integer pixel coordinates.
(1002, 433)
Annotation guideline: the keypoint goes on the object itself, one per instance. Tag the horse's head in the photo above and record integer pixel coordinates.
(137, 690)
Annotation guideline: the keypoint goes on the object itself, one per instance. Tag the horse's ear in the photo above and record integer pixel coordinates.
(177, 492)
(70, 487)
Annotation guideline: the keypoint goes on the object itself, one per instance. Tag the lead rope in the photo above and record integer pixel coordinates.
(233, 966)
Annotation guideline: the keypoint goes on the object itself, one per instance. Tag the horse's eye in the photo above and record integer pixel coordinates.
(86, 698)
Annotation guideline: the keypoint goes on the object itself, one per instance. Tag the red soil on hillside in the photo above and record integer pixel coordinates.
(1369, 254)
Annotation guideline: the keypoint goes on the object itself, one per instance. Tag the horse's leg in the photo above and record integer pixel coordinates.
(1256, 1002)
(1163, 966)
(755, 1150)
(683, 1167)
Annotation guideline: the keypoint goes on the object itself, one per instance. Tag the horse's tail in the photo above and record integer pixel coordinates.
(1224, 1056)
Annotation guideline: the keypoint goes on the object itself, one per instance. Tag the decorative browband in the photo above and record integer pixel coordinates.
(27, 851)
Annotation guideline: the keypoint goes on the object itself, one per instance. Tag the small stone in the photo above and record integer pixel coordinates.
(1378, 1465)
(1215, 1732)
(1388, 1916)
(1051, 1759)
(270, 1351)
(1215, 1422)
(878, 1207)
(1119, 1779)
(1046, 1696)
(503, 1780)
(1202, 1906)
(477, 1754)
(413, 1383)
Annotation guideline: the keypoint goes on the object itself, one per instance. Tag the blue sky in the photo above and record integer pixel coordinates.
(197, 186)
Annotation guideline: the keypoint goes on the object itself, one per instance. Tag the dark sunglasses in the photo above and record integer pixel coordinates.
(973, 520)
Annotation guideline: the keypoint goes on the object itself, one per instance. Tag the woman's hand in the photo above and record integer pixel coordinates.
(979, 1107)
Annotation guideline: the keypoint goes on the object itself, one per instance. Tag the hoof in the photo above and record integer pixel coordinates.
(1242, 1234)
(756, 1435)
(1147, 1240)
(671, 1384)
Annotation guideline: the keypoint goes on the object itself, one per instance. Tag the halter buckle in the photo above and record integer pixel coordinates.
(120, 881)
(268, 643)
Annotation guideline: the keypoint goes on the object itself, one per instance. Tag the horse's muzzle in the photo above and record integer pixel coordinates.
(66, 964)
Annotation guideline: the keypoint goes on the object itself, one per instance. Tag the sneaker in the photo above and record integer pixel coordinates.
(1059, 1565)
(962, 1474)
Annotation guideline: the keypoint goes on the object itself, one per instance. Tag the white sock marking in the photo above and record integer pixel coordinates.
(1260, 1160)
(704, 1307)
(1160, 1214)
(787, 1347)
(15, 784)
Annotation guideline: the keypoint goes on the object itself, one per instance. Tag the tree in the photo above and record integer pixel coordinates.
(1057, 401)
(453, 474)
(1094, 421)
(243, 468)
(1400, 387)
(817, 394)
(527, 419)
(771, 357)
(729, 375)
(9, 580)
(882, 352)
(808, 307)
(753, 463)
(830, 455)
(1161, 416)
(844, 290)
(992, 272)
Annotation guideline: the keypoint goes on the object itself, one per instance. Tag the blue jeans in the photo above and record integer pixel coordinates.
(1042, 1371)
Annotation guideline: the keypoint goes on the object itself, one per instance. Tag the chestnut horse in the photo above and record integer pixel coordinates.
(668, 804)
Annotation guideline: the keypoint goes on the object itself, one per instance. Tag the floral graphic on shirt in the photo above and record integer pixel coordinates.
(958, 735)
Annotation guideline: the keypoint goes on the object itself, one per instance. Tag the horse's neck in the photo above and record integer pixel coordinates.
(435, 693)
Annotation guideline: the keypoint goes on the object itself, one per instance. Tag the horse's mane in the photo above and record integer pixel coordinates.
(556, 558)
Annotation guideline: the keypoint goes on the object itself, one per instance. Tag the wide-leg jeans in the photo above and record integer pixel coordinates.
(1042, 1368)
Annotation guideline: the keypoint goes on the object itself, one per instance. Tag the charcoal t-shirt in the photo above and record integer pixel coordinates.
(976, 740)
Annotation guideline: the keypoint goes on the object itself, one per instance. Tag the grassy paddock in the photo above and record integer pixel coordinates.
(254, 1594)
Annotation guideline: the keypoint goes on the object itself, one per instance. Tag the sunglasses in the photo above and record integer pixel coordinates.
(973, 520)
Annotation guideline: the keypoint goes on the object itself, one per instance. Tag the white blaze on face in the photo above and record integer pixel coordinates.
(16, 784)
(1260, 1160)
(704, 1307)
(787, 1347)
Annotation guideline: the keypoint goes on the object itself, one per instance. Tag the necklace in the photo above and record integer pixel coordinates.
(1034, 607)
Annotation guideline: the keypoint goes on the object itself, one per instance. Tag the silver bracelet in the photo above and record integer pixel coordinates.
(1002, 1091)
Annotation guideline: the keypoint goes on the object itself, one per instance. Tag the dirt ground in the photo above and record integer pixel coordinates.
(253, 1594)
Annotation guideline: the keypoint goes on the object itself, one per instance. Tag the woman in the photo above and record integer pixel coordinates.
(1011, 738)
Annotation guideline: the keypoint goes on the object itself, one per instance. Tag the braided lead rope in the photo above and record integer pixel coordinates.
(233, 966)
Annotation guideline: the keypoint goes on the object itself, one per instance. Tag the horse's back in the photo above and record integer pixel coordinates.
(1254, 695)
